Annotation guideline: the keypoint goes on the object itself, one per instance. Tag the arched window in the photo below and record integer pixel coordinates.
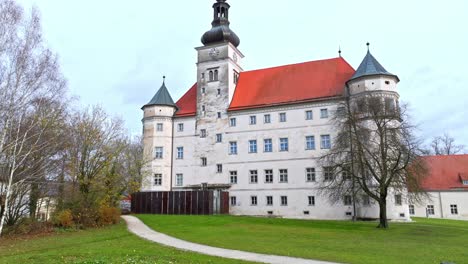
(223, 14)
(216, 75)
(211, 76)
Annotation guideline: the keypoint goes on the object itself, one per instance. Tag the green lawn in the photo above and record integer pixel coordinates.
(105, 245)
(423, 241)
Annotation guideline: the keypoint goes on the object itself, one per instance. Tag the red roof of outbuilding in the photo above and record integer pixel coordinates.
(293, 83)
(446, 172)
(187, 104)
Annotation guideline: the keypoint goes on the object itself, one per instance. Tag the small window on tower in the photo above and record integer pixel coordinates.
(203, 90)
(219, 91)
(211, 76)
(216, 75)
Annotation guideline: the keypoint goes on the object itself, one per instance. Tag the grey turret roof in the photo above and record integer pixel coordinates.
(370, 66)
(162, 97)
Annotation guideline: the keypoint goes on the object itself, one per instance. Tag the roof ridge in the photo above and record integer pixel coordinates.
(298, 63)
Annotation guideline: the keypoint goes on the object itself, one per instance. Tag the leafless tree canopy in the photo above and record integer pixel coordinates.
(445, 145)
(375, 152)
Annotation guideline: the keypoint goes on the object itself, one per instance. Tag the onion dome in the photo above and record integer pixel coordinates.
(220, 31)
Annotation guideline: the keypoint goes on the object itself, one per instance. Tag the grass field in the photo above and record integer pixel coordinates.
(105, 245)
(423, 241)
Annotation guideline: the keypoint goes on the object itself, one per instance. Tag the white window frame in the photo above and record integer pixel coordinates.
(180, 152)
(219, 138)
(253, 200)
(411, 209)
(219, 168)
(232, 147)
(179, 179)
(157, 180)
(310, 143)
(284, 200)
(253, 146)
(284, 144)
(311, 200)
(309, 115)
(324, 113)
(282, 117)
(269, 175)
(180, 127)
(233, 200)
(325, 141)
(233, 177)
(267, 145)
(158, 152)
(267, 119)
(204, 161)
(310, 174)
(283, 175)
(232, 122)
(430, 209)
(269, 200)
(253, 176)
(454, 209)
(253, 120)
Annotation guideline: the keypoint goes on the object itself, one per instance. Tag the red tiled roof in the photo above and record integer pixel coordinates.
(187, 104)
(446, 172)
(291, 84)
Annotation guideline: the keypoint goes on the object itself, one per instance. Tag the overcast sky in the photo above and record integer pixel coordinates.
(115, 52)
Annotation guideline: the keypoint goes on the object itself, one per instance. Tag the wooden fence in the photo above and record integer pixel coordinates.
(181, 202)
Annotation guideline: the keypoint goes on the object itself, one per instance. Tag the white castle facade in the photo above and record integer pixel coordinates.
(258, 134)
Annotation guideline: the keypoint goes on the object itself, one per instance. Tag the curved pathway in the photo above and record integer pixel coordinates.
(140, 229)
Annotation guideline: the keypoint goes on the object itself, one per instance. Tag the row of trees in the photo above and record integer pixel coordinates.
(82, 158)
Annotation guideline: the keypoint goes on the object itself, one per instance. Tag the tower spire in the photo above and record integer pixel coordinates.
(220, 31)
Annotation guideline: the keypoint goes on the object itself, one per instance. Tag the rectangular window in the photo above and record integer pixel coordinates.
(454, 209)
(253, 200)
(284, 200)
(204, 162)
(203, 133)
(311, 200)
(180, 127)
(219, 138)
(283, 175)
(219, 91)
(346, 172)
(252, 146)
(179, 179)
(365, 200)
(219, 114)
(269, 200)
(267, 145)
(340, 111)
(310, 174)
(268, 176)
(310, 142)
(158, 152)
(430, 209)
(398, 199)
(219, 168)
(233, 177)
(282, 117)
(253, 176)
(253, 120)
(284, 145)
(309, 115)
(233, 200)
(157, 179)
(180, 152)
(465, 182)
(348, 200)
(411, 209)
(232, 122)
(235, 76)
(267, 119)
(325, 142)
(233, 148)
(159, 127)
(328, 173)
(324, 113)
(203, 90)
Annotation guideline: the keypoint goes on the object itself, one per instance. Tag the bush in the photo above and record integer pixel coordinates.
(64, 219)
(29, 226)
(108, 215)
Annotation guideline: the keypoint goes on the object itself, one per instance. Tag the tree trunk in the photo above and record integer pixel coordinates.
(383, 222)
(33, 200)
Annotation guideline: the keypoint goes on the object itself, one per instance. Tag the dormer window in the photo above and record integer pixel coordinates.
(465, 182)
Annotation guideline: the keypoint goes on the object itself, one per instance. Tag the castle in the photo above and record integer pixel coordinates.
(258, 134)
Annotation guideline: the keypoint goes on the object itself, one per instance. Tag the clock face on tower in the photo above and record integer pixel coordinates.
(214, 52)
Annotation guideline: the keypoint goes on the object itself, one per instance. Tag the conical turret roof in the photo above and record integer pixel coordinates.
(162, 97)
(370, 66)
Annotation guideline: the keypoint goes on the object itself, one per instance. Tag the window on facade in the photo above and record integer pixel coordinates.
(348, 200)
(219, 114)
(204, 162)
(454, 209)
(219, 168)
(328, 173)
(252, 146)
(233, 177)
(203, 75)
(324, 113)
(157, 179)
(311, 200)
(310, 142)
(219, 138)
(284, 145)
(340, 111)
(233, 200)
(267, 119)
(398, 199)
(180, 127)
(179, 179)
(158, 152)
(180, 152)
(211, 76)
(430, 209)
(282, 117)
(389, 105)
(253, 176)
(203, 108)
(233, 147)
(365, 200)
(283, 175)
(267, 145)
(411, 209)
(203, 90)
(346, 172)
(325, 142)
(310, 174)
(284, 200)
(215, 77)
(465, 182)
(232, 122)
(309, 115)
(268, 176)
(159, 127)
(269, 200)
(203, 133)
(253, 120)
(253, 200)
(235, 77)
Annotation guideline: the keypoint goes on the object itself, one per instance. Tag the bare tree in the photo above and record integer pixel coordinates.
(374, 154)
(445, 145)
